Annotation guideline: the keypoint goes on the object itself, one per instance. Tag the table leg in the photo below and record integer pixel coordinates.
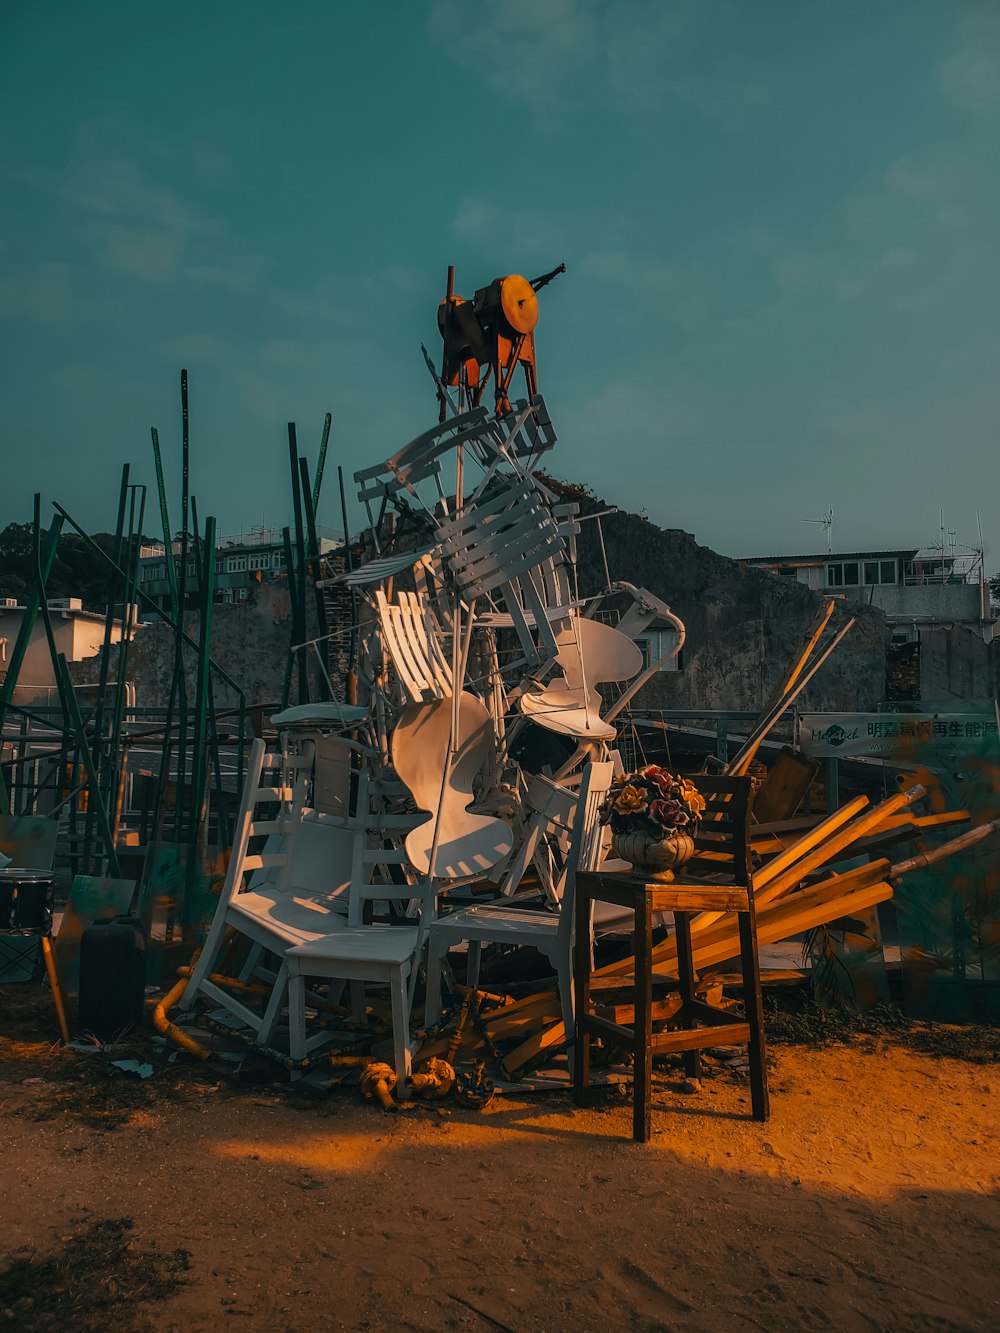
(643, 1030)
(686, 976)
(580, 1050)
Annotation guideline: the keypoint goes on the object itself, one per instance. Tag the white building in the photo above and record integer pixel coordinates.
(916, 588)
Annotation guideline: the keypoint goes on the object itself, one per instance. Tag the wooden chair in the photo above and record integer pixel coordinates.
(291, 891)
(551, 933)
(717, 878)
(365, 953)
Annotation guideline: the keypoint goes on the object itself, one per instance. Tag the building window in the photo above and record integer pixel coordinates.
(654, 643)
(236, 564)
(844, 574)
(879, 571)
(258, 562)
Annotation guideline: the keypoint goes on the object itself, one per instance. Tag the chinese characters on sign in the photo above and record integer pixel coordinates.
(824, 735)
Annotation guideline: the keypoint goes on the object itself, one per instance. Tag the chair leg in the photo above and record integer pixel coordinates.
(757, 1054)
(250, 966)
(564, 972)
(583, 965)
(296, 1013)
(206, 960)
(686, 976)
(400, 1027)
(432, 1000)
(274, 1006)
(358, 1005)
(475, 957)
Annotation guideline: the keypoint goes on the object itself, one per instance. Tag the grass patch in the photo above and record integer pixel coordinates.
(95, 1282)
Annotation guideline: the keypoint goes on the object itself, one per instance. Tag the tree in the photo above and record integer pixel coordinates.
(77, 571)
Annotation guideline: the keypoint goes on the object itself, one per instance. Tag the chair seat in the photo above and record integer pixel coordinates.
(291, 919)
(331, 713)
(563, 711)
(498, 921)
(392, 945)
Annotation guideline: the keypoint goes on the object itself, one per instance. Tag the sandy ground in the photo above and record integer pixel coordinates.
(870, 1200)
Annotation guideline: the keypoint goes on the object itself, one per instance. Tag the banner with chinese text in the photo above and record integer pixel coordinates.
(885, 735)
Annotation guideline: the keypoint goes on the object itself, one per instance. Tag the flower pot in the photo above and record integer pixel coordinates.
(658, 857)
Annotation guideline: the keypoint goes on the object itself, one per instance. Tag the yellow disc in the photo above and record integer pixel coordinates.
(519, 303)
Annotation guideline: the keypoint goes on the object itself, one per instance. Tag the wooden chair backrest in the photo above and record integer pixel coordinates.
(586, 842)
(722, 840)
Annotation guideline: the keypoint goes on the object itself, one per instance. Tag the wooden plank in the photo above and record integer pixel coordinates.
(792, 918)
(665, 953)
(534, 1046)
(787, 781)
(604, 1027)
(662, 1011)
(696, 1039)
(686, 897)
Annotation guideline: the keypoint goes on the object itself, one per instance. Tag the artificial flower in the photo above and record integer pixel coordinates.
(631, 800)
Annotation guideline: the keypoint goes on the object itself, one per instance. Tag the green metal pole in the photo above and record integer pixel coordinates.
(86, 755)
(322, 627)
(23, 639)
(165, 524)
(300, 562)
(199, 773)
(321, 462)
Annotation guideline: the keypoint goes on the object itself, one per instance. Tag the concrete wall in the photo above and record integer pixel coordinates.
(955, 664)
(744, 625)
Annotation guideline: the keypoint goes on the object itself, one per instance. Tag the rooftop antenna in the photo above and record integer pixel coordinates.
(826, 523)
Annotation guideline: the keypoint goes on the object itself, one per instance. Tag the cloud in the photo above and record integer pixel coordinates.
(48, 294)
(190, 348)
(136, 225)
(477, 221)
(149, 254)
(524, 48)
(971, 77)
(553, 55)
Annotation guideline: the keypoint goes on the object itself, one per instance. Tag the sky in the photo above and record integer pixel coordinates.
(779, 221)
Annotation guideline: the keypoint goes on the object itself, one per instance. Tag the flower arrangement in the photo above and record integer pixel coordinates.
(652, 802)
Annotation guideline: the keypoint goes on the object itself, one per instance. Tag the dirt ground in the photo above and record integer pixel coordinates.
(187, 1202)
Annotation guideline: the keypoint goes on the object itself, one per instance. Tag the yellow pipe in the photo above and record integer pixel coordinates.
(163, 1024)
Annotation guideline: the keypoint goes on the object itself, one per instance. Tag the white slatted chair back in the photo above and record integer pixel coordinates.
(413, 639)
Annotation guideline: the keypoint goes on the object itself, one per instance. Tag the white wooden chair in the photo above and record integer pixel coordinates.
(291, 891)
(550, 932)
(369, 953)
(413, 639)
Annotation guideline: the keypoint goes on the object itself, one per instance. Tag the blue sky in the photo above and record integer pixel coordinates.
(780, 220)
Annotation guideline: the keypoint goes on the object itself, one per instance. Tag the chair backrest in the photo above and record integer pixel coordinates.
(251, 823)
(722, 840)
(586, 841)
(412, 638)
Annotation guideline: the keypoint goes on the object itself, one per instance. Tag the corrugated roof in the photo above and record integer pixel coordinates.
(821, 558)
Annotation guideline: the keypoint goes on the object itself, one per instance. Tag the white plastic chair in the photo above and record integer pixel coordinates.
(589, 653)
(551, 933)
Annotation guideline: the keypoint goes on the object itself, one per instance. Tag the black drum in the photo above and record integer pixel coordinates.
(6, 904)
(26, 900)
